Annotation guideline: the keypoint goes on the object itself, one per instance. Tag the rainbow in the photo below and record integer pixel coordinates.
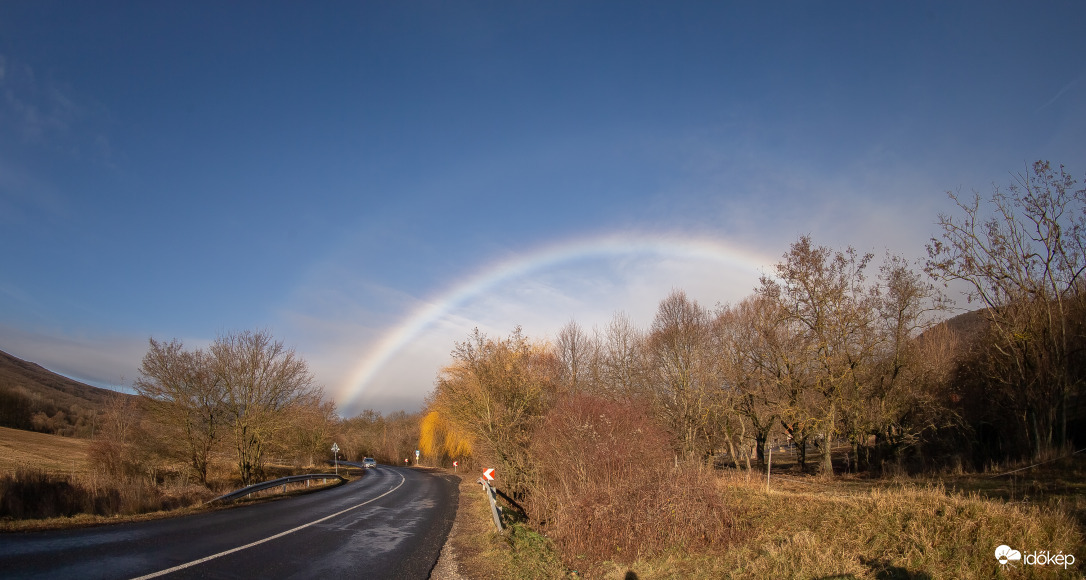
(422, 317)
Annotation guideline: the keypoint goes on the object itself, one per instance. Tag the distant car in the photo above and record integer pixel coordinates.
(369, 462)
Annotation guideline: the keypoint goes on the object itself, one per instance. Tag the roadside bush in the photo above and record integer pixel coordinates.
(35, 494)
(606, 489)
(32, 494)
(112, 458)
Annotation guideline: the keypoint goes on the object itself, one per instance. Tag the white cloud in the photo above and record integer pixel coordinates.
(541, 301)
(102, 361)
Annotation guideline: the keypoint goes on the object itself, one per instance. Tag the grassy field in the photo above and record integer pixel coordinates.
(50, 453)
(893, 531)
(808, 528)
(48, 482)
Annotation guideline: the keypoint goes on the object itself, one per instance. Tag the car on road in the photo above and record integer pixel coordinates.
(368, 462)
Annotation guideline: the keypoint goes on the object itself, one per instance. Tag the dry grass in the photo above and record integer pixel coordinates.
(826, 531)
(50, 453)
(483, 554)
(50, 482)
(32, 499)
(806, 528)
(1058, 484)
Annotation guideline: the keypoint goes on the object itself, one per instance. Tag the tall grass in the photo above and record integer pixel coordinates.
(822, 531)
(35, 494)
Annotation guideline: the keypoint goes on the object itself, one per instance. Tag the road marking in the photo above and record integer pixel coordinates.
(268, 539)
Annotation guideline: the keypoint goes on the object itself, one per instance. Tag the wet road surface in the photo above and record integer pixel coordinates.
(389, 524)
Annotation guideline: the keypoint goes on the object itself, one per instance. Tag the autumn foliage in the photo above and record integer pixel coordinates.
(606, 487)
(595, 470)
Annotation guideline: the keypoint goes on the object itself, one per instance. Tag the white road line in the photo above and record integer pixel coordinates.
(268, 539)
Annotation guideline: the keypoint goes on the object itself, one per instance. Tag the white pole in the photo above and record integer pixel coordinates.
(768, 467)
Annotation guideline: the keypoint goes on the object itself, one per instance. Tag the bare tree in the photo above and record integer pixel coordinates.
(578, 354)
(1022, 254)
(313, 425)
(738, 372)
(389, 438)
(901, 400)
(622, 364)
(262, 381)
(685, 385)
(400, 435)
(113, 448)
(182, 392)
(361, 436)
(758, 367)
(825, 295)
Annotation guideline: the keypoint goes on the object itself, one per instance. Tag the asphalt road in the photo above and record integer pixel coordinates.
(389, 524)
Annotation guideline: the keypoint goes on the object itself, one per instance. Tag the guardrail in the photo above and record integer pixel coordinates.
(495, 509)
(282, 481)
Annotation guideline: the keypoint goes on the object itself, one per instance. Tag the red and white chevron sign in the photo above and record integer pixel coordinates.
(489, 474)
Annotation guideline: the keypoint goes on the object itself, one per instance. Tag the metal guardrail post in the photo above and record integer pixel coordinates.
(494, 509)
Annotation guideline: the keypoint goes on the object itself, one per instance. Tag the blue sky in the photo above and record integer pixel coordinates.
(331, 171)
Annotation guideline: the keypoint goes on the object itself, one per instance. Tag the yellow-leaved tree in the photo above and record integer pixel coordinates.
(489, 400)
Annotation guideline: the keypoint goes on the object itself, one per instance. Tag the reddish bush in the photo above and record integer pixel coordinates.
(606, 488)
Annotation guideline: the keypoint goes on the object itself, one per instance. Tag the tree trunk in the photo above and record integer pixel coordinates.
(827, 445)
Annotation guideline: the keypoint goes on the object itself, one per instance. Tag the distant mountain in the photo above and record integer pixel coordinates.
(37, 399)
(970, 324)
(966, 327)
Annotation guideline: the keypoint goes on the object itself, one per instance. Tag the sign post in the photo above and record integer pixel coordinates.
(416, 458)
(335, 456)
(455, 463)
(768, 468)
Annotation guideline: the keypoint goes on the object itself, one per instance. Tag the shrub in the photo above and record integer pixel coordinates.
(35, 494)
(606, 488)
(32, 493)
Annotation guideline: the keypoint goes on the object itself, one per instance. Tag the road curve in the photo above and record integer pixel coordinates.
(389, 524)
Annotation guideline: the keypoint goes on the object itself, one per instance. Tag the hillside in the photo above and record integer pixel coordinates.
(49, 453)
(34, 398)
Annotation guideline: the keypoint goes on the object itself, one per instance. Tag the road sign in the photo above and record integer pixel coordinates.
(489, 474)
(416, 454)
(335, 448)
(456, 463)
